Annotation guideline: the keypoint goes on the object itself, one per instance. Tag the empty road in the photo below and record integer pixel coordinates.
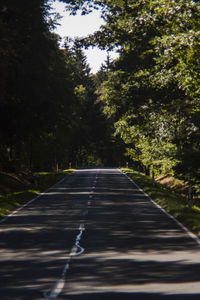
(96, 236)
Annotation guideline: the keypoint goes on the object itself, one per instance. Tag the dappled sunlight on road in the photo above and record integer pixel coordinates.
(131, 248)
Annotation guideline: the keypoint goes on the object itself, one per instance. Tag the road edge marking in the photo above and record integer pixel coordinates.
(15, 211)
(183, 227)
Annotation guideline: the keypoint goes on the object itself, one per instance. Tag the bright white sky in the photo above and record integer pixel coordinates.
(80, 26)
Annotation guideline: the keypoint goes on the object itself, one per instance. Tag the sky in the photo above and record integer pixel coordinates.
(80, 26)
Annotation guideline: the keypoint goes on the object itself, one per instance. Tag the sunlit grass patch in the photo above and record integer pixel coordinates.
(14, 200)
(19, 195)
(68, 171)
(174, 203)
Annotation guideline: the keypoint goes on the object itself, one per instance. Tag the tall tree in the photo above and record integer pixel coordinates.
(156, 80)
(35, 82)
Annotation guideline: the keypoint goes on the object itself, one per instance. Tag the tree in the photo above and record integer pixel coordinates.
(157, 70)
(36, 84)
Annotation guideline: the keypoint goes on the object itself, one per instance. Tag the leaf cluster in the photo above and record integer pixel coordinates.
(152, 92)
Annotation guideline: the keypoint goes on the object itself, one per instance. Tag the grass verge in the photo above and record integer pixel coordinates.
(21, 191)
(172, 202)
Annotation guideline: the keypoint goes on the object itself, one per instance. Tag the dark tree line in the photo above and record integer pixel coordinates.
(48, 115)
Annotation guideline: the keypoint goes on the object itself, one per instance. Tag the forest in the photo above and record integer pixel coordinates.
(141, 108)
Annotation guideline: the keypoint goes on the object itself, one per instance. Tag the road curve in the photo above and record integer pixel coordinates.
(96, 235)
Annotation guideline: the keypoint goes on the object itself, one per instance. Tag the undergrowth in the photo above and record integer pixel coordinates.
(17, 190)
(172, 202)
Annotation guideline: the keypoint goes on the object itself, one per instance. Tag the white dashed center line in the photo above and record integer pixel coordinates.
(75, 251)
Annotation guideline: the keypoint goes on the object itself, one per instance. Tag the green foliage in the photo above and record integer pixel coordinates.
(50, 114)
(35, 81)
(152, 146)
(151, 93)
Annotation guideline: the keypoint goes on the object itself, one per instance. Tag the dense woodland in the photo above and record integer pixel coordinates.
(142, 108)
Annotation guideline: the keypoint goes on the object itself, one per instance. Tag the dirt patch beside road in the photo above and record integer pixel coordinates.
(172, 183)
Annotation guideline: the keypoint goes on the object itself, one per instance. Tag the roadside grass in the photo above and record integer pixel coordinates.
(16, 191)
(172, 202)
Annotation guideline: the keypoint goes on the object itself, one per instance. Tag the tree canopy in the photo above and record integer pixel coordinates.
(147, 100)
(151, 93)
(48, 113)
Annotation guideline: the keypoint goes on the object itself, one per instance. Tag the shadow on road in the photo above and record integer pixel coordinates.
(129, 244)
(131, 296)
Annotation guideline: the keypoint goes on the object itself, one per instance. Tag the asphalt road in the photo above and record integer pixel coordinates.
(96, 236)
